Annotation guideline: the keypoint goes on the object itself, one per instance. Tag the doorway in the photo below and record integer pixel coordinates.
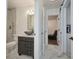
(52, 30)
(11, 25)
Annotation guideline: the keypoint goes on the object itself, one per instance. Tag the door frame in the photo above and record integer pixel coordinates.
(64, 7)
(55, 14)
(57, 26)
(38, 30)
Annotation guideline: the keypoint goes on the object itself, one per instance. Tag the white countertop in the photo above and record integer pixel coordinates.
(25, 35)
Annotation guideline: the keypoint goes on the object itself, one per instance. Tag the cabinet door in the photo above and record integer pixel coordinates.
(21, 45)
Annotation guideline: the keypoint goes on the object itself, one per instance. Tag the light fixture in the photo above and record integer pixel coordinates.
(30, 11)
(52, 0)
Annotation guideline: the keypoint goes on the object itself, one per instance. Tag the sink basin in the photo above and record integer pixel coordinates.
(29, 32)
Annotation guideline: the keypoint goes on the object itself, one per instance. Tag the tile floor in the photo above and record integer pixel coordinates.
(51, 53)
(14, 55)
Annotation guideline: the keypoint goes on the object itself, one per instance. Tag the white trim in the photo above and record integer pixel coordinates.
(65, 3)
(38, 29)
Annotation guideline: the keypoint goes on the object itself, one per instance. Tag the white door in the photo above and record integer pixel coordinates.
(65, 20)
(70, 35)
(68, 22)
(38, 30)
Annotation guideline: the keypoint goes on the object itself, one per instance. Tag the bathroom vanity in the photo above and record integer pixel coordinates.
(26, 45)
(26, 42)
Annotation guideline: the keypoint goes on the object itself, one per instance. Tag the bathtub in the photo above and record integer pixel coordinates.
(10, 47)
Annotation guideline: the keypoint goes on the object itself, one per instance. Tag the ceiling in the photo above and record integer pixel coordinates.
(20, 3)
(24, 3)
(53, 3)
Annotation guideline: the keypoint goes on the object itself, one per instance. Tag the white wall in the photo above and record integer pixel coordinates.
(54, 11)
(46, 28)
(21, 20)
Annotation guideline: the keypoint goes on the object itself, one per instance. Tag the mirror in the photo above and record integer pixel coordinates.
(30, 22)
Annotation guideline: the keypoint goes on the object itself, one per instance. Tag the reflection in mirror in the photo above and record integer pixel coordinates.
(30, 24)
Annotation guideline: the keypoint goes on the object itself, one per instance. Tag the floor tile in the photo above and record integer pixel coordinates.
(52, 53)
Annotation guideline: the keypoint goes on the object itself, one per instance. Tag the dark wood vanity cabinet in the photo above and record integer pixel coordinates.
(26, 46)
